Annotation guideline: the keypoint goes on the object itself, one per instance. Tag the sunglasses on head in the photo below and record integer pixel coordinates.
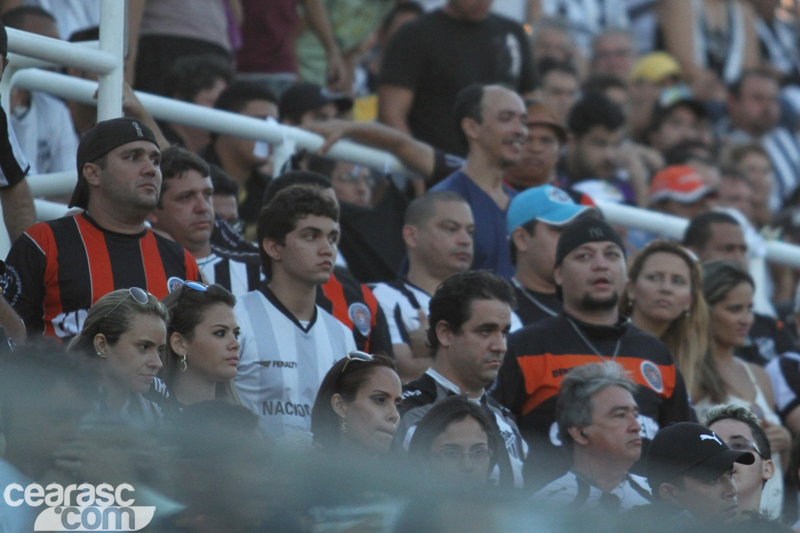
(357, 355)
(140, 295)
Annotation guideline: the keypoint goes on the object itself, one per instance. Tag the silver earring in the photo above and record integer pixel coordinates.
(183, 363)
(343, 426)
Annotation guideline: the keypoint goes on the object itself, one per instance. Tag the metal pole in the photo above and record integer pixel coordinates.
(112, 32)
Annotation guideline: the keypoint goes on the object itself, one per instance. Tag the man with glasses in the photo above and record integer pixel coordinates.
(288, 343)
(58, 269)
(759, 487)
(597, 422)
(470, 316)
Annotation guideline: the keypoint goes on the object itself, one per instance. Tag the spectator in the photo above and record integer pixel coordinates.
(597, 423)
(281, 327)
(434, 57)
(536, 218)
(71, 17)
(353, 184)
(552, 39)
(610, 86)
(202, 345)
(438, 237)
(677, 116)
(267, 56)
(728, 290)
(197, 80)
(700, 156)
(681, 191)
(492, 123)
(740, 429)
(546, 137)
(559, 88)
(717, 235)
(590, 275)
(752, 160)
(594, 154)
(650, 76)
(470, 316)
(236, 156)
(613, 53)
(351, 302)
(736, 192)
(753, 111)
(108, 245)
(690, 470)
(185, 213)
(226, 198)
(356, 412)
(664, 297)
(126, 331)
(41, 122)
(452, 431)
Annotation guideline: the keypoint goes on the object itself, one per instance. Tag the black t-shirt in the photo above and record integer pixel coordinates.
(534, 306)
(436, 56)
(766, 339)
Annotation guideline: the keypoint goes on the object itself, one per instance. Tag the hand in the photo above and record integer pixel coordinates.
(337, 77)
(418, 338)
(331, 130)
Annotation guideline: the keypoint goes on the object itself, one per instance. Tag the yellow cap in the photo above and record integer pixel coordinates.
(655, 67)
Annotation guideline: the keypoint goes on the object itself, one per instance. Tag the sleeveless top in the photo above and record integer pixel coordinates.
(772, 495)
(722, 51)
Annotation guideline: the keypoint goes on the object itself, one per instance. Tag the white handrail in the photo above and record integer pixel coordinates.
(65, 53)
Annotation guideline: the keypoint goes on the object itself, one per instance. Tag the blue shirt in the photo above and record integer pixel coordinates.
(490, 239)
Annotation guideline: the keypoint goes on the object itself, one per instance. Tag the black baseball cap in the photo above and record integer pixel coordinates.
(689, 449)
(673, 98)
(303, 97)
(101, 139)
(583, 230)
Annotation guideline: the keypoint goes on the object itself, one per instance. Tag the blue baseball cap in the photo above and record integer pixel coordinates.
(546, 204)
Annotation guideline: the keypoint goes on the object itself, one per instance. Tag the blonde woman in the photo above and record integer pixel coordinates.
(664, 297)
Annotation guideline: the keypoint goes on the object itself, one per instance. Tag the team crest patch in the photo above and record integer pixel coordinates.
(174, 283)
(652, 375)
(361, 317)
(558, 196)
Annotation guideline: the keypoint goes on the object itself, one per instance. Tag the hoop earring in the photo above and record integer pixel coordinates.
(183, 363)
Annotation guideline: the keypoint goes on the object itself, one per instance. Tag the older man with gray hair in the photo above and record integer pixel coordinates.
(597, 422)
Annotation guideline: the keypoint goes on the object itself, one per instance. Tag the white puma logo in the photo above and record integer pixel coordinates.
(711, 437)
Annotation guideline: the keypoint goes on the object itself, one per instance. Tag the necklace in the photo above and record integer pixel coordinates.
(532, 298)
(590, 345)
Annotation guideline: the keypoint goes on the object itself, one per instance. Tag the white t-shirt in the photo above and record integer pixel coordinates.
(46, 134)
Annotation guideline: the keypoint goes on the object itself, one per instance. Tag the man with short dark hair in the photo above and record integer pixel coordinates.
(741, 430)
(690, 469)
(677, 117)
(58, 269)
(597, 422)
(185, 212)
(559, 87)
(492, 121)
(287, 341)
(438, 237)
(470, 317)
(304, 103)
(590, 275)
(536, 218)
(613, 53)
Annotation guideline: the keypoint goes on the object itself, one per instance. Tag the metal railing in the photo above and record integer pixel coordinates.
(284, 139)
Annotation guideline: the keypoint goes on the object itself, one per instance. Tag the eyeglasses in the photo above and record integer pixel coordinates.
(741, 444)
(453, 455)
(357, 355)
(140, 295)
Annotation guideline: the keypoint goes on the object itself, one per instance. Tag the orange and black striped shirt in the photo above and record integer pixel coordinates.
(58, 269)
(540, 355)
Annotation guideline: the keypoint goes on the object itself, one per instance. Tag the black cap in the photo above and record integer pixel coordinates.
(583, 230)
(303, 97)
(101, 139)
(689, 449)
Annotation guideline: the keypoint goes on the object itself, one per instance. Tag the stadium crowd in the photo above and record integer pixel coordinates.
(469, 346)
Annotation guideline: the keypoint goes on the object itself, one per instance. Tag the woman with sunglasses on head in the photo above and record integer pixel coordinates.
(203, 344)
(664, 297)
(126, 332)
(357, 406)
(455, 441)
